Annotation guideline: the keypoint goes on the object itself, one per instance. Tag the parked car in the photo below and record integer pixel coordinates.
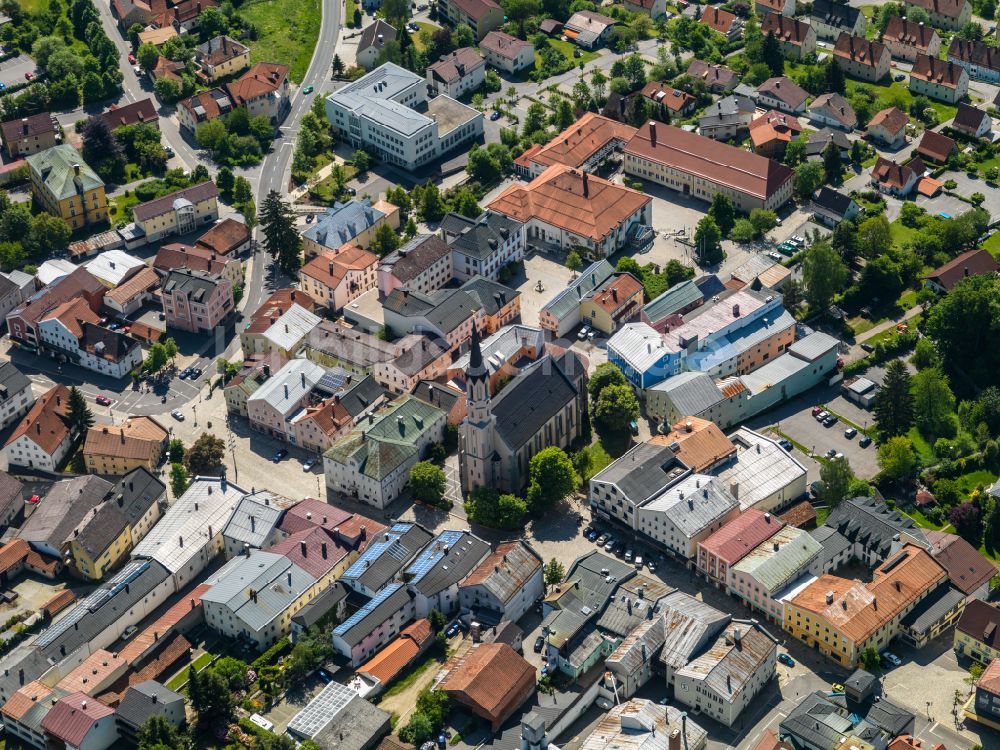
(774, 256)
(601, 539)
(850, 432)
(279, 454)
(816, 487)
(865, 441)
(868, 348)
(817, 410)
(786, 660)
(891, 658)
(452, 630)
(583, 333)
(129, 632)
(539, 644)
(796, 240)
(638, 562)
(131, 59)
(308, 464)
(610, 544)
(195, 372)
(494, 116)
(821, 416)
(628, 553)
(34, 499)
(184, 374)
(633, 427)
(176, 414)
(830, 421)
(103, 400)
(837, 687)
(786, 444)
(831, 453)
(899, 77)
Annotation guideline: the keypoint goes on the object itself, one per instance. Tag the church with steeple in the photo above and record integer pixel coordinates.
(543, 405)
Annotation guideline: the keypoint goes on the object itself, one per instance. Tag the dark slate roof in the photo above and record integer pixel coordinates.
(478, 238)
(437, 394)
(834, 543)
(11, 497)
(321, 606)
(369, 37)
(492, 295)
(642, 472)
(710, 285)
(195, 284)
(933, 607)
(821, 721)
(145, 700)
(381, 562)
(103, 527)
(981, 621)
(464, 552)
(530, 400)
(816, 142)
(107, 604)
(116, 346)
(833, 201)
(136, 492)
(389, 602)
(12, 380)
(361, 395)
(835, 14)
(866, 521)
(415, 257)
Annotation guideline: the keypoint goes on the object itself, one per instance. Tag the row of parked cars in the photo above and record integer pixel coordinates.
(789, 247)
(620, 548)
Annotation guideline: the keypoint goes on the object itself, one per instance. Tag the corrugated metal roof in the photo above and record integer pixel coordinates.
(640, 724)
(284, 390)
(252, 521)
(675, 299)
(642, 472)
(688, 626)
(286, 332)
(690, 392)
(780, 559)
(639, 346)
(693, 504)
(569, 298)
(761, 469)
(183, 531)
(258, 588)
(813, 346)
(728, 666)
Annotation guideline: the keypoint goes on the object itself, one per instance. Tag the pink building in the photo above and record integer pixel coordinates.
(733, 542)
(196, 301)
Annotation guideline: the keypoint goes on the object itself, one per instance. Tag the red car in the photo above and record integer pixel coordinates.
(131, 59)
(34, 499)
(816, 410)
(103, 400)
(28, 74)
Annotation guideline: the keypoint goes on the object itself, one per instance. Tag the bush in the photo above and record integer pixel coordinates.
(272, 655)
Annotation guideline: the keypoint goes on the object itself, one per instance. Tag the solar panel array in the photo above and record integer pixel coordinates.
(321, 710)
(376, 548)
(433, 554)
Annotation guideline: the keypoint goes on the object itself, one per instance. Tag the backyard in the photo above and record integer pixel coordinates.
(567, 49)
(288, 31)
(897, 93)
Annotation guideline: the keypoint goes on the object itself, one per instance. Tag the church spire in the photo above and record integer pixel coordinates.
(476, 355)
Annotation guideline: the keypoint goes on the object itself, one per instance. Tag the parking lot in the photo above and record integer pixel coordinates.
(966, 186)
(12, 71)
(803, 428)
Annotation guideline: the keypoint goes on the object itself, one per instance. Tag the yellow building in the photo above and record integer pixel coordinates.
(107, 535)
(618, 300)
(66, 187)
(221, 57)
(115, 450)
(352, 223)
(840, 618)
(977, 634)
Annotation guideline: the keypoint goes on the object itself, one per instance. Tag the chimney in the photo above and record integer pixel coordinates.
(777, 546)
(286, 391)
(674, 742)
(253, 524)
(322, 549)
(738, 638)
(652, 134)
(736, 310)
(586, 186)
(76, 169)
(289, 579)
(303, 547)
(829, 597)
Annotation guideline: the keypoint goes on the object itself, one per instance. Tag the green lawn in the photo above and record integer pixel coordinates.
(924, 522)
(901, 233)
(424, 26)
(567, 49)
(993, 244)
(121, 207)
(33, 6)
(821, 515)
(923, 448)
(323, 191)
(968, 482)
(349, 7)
(288, 32)
(898, 94)
(597, 458)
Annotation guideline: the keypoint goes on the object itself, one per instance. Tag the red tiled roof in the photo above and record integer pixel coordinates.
(710, 160)
(935, 147)
(164, 625)
(800, 515)
(224, 237)
(262, 79)
(305, 548)
(718, 19)
(990, 679)
(131, 114)
(891, 174)
(909, 33)
(22, 701)
(971, 263)
(891, 119)
(952, 8)
(785, 29)
(673, 99)
(12, 554)
(965, 566)
(386, 665)
(72, 717)
(936, 70)
(59, 602)
(44, 423)
(858, 49)
(737, 539)
(488, 675)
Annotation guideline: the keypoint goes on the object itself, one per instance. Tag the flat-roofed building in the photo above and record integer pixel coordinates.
(694, 165)
(379, 112)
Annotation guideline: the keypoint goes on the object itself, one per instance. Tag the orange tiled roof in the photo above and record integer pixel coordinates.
(330, 269)
(858, 609)
(164, 625)
(892, 119)
(59, 602)
(44, 422)
(21, 702)
(614, 295)
(580, 141)
(936, 70)
(139, 283)
(94, 669)
(260, 80)
(73, 313)
(718, 19)
(579, 203)
(487, 674)
(699, 447)
(391, 660)
(12, 553)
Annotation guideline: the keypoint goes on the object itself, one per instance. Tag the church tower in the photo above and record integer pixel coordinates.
(476, 436)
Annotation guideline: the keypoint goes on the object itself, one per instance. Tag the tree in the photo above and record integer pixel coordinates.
(281, 240)
(723, 212)
(763, 220)
(156, 358)
(824, 274)
(573, 261)
(205, 454)
(385, 241)
(894, 403)
(897, 459)
(836, 476)
(101, 149)
(362, 161)
(337, 66)
(991, 523)
(967, 520)
(564, 116)
(874, 236)
(835, 80)
(428, 483)
(49, 235)
(833, 165)
(793, 294)
(147, 56)
(210, 697)
(396, 12)
(432, 206)
(488, 507)
(437, 620)
(616, 407)
(772, 55)
(178, 479)
(232, 670)
(977, 198)
(808, 177)
(554, 572)
(743, 231)
(464, 35)
(175, 451)
(157, 731)
(870, 658)
(707, 241)
(78, 414)
(964, 325)
(933, 403)
(551, 478)
(167, 90)
(606, 374)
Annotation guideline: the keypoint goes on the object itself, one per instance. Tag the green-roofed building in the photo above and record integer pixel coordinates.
(63, 183)
(372, 462)
(677, 300)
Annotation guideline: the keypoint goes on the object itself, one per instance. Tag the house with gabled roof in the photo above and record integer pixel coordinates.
(939, 79)
(907, 39)
(728, 24)
(972, 121)
(42, 439)
(944, 14)
(862, 58)
(888, 127)
(830, 19)
(833, 110)
(935, 147)
(797, 39)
